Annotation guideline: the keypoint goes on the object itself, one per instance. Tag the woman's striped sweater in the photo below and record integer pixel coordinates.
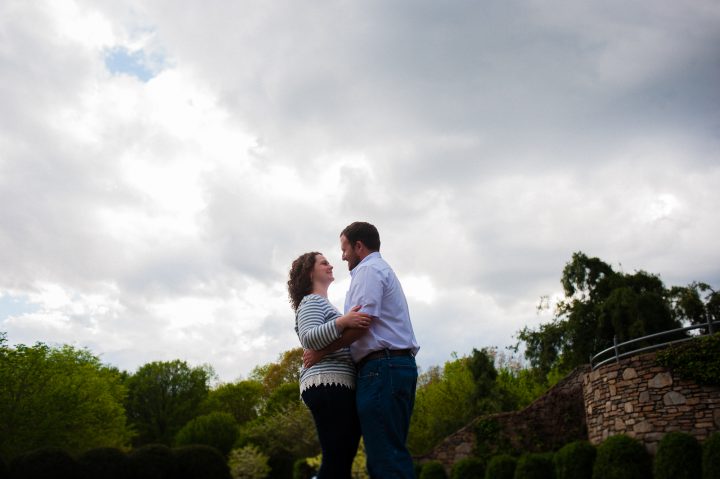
(315, 326)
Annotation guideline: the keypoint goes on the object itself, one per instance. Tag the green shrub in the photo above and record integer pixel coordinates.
(200, 462)
(679, 456)
(535, 466)
(433, 470)
(106, 462)
(248, 463)
(45, 463)
(698, 359)
(303, 470)
(153, 461)
(622, 457)
(468, 468)
(4, 473)
(711, 457)
(501, 466)
(575, 460)
(217, 429)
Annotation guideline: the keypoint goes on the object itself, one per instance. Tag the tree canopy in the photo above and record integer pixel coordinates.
(58, 396)
(601, 303)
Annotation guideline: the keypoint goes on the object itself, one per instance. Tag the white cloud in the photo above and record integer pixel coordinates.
(157, 219)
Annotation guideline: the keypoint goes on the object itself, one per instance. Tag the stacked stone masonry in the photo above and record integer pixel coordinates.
(644, 400)
(636, 396)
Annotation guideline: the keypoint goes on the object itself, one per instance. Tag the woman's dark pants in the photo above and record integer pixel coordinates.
(338, 427)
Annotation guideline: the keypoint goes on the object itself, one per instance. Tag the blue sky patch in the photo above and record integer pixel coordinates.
(15, 306)
(121, 61)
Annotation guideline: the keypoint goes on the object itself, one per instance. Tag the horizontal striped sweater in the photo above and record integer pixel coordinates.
(315, 327)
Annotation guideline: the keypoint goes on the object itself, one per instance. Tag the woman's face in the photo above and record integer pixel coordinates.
(322, 271)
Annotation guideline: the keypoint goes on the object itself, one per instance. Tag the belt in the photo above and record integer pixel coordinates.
(383, 353)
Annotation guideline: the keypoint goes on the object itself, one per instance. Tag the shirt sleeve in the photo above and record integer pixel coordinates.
(367, 291)
(314, 332)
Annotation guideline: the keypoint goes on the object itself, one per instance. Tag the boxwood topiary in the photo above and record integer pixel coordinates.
(217, 429)
(501, 466)
(153, 461)
(535, 466)
(622, 457)
(44, 463)
(575, 460)
(433, 470)
(200, 461)
(711, 457)
(468, 468)
(106, 462)
(679, 456)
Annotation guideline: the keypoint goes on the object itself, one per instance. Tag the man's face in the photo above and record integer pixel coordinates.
(348, 253)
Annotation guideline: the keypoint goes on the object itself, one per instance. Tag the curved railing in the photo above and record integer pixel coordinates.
(617, 351)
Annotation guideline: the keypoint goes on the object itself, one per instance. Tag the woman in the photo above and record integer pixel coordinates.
(328, 387)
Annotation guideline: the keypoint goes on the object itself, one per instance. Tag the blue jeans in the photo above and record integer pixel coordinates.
(335, 414)
(385, 399)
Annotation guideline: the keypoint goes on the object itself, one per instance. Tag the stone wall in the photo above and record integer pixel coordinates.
(644, 400)
(552, 420)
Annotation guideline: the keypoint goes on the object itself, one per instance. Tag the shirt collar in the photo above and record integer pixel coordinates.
(374, 254)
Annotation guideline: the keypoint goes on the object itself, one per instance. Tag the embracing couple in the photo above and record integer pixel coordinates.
(359, 371)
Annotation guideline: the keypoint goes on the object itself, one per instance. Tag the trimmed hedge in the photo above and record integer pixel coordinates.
(217, 429)
(679, 456)
(622, 457)
(43, 463)
(107, 463)
(711, 457)
(468, 468)
(501, 466)
(433, 470)
(575, 460)
(200, 462)
(153, 461)
(535, 466)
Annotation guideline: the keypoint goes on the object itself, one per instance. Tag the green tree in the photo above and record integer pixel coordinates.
(242, 399)
(58, 396)
(217, 429)
(600, 304)
(163, 397)
(444, 402)
(286, 370)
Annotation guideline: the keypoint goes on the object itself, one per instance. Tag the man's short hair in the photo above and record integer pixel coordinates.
(363, 232)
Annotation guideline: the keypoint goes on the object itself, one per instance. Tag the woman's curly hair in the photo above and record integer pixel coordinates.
(299, 282)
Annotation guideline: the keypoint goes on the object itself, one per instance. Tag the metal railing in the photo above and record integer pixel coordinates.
(617, 353)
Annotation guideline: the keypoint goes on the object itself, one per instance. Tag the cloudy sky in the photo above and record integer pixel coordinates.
(163, 162)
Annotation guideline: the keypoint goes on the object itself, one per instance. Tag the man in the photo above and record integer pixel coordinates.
(385, 354)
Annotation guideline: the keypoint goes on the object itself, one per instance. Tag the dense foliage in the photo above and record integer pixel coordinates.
(575, 460)
(163, 397)
(601, 303)
(106, 463)
(153, 461)
(622, 457)
(679, 456)
(248, 463)
(698, 359)
(192, 462)
(60, 397)
(433, 470)
(535, 466)
(468, 468)
(501, 466)
(44, 463)
(711, 457)
(217, 429)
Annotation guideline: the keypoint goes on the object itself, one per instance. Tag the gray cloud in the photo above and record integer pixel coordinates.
(486, 141)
